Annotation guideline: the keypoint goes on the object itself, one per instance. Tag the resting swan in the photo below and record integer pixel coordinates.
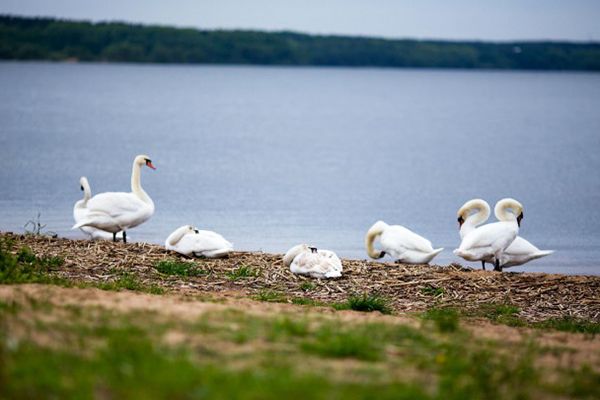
(80, 211)
(118, 211)
(401, 243)
(190, 241)
(489, 242)
(305, 260)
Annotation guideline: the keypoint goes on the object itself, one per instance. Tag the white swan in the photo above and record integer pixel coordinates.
(491, 240)
(401, 243)
(118, 211)
(80, 212)
(520, 250)
(305, 260)
(190, 241)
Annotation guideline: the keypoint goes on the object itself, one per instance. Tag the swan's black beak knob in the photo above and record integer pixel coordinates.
(519, 218)
(81, 188)
(313, 249)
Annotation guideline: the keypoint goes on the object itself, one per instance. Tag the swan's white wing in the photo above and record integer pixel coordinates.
(115, 204)
(203, 243)
(398, 239)
(496, 236)
(521, 246)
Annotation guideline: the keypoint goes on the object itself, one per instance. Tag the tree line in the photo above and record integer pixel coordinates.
(24, 38)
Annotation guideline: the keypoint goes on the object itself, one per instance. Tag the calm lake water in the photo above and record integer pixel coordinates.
(271, 157)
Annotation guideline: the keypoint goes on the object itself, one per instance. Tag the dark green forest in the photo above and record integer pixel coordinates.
(52, 39)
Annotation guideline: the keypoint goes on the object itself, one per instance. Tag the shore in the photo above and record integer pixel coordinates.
(407, 288)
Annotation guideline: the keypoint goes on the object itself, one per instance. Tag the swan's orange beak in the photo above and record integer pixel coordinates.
(149, 164)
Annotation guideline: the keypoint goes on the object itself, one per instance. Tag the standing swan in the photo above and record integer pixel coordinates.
(305, 260)
(520, 250)
(492, 240)
(80, 212)
(119, 211)
(190, 241)
(401, 243)
(468, 221)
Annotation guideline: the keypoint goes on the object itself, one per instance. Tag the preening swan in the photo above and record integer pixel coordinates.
(400, 243)
(469, 220)
(118, 211)
(491, 240)
(520, 250)
(190, 241)
(305, 260)
(80, 211)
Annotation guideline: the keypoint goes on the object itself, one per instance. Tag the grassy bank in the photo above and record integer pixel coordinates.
(80, 319)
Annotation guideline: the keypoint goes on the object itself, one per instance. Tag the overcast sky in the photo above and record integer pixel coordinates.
(442, 19)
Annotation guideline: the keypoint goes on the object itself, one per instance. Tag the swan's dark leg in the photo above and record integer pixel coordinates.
(497, 266)
(114, 236)
(124, 237)
(483, 265)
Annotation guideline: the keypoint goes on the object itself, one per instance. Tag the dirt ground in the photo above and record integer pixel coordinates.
(409, 288)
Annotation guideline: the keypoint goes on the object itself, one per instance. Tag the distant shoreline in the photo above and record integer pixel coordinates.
(25, 38)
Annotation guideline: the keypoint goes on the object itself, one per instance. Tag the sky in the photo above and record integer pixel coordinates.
(497, 20)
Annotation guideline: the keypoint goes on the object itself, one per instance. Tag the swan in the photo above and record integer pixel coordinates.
(491, 240)
(119, 211)
(401, 243)
(520, 251)
(305, 260)
(80, 211)
(190, 241)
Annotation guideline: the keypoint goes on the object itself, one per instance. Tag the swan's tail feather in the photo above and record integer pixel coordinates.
(434, 253)
(373, 233)
(543, 253)
(80, 224)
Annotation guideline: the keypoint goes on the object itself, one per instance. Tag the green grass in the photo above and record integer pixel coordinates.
(569, 324)
(171, 267)
(365, 303)
(128, 281)
(432, 291)
(307, 286)
(243, 271)
(26, 267)
(330, 341)
(445, 319)
(271, 296)
(500, 313)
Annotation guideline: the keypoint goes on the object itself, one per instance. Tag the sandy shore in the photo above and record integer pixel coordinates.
(409, 288)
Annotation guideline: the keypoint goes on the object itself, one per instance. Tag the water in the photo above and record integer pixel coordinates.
(271, 157)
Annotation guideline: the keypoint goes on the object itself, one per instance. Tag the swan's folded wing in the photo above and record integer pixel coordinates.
(207, 241)
(115, 204)
(402, 239)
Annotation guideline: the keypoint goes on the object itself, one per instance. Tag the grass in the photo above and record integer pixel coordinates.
(231, 353)
(569, 324)
(432, 291)
(365, 303)
(307, 286)
(271, 296)
(501, 313)
(172, 267)
(26, 267)
(128, 281)
(445, 319)
(243, 271)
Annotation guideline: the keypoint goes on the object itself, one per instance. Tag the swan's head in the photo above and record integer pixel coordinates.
(475, 204)
(83, 183)
(293, 252)
(502, 207)
(312, 249)
(142, 160)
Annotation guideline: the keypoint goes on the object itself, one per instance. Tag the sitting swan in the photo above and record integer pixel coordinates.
(520, 250)
(305, 260)
(401, 243)
(80, 211)
(190, 241)
(118, 211)
(490, 241)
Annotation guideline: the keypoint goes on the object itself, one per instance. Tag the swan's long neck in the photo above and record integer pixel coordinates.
(372, 234)
(87, 192)
(176, 236)
(292, 253)
(136, 184)
(474, 220)
(502, 213)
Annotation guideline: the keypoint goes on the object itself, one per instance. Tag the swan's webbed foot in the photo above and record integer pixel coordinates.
(124, 237)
